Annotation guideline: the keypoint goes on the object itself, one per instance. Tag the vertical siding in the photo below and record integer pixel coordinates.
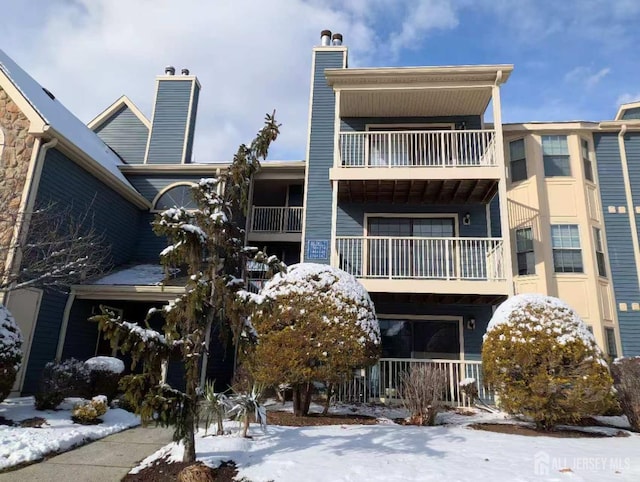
(126, 135)
(321, 138)
(170, 119)
(631, 113)
(618, 231)
(45, 338)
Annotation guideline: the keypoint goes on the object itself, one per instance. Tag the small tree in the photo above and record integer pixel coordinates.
(10, 352)
(314, 323)
(207, 242)
(421, 391)
(543, 362)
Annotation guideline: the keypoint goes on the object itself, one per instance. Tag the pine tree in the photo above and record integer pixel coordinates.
(208, 243)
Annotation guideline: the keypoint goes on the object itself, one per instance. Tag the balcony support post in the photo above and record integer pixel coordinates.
(502, 185)
(334, 221)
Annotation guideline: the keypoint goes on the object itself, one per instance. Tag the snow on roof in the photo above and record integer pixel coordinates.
(551, 314)
(139, 275)
(61, 119)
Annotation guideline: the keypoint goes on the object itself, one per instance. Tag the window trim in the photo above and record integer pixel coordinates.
(597, 240)
(586, 160)
(367, 215)
(580, 249)
(164, 190)
(568, 156)
(511, 161)
(530, 228)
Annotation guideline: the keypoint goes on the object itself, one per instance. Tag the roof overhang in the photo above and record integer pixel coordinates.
(123, 101)
(126, 292)
(632, 125)
(416, 91)
(549, 126)
(625, 107)
(267, 168)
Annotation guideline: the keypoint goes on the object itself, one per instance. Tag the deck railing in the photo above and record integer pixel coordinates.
(278, 219)
(450, 148)
(381, 382)
(421, 258)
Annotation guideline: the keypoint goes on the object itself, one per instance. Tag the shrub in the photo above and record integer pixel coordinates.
(314, 323)
(469, 388)
(544, 363)
(243, 405)
(89, 413)
(213, 408)
(626, 375)
(69, 378)
(10, 352)
(421, 391)
(105, 373)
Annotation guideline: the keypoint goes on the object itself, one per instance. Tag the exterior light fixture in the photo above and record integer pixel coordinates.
(471, 323)
(466, 220)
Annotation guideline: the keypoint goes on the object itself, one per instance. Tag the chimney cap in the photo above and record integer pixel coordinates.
(325, 32)
(170, 70)
(337, 36)
(184, 71)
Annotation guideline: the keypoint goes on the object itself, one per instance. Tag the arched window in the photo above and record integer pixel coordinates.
(178, 195)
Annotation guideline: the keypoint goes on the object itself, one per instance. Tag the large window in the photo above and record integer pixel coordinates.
(420, 338)
(517, 160)
(597, 241)
(586, 160)
(567, 254)
(555, 152)
(524, 251)
(176, 197)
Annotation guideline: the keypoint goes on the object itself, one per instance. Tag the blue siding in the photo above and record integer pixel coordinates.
(472, 338)
(126, 135)
(150, 185)
(149, 245)
(358, 124)
(631, 113)
(618, 230)
(494, 213)
(82, 334)
(170, 120)
(45, 338)
(321, 137)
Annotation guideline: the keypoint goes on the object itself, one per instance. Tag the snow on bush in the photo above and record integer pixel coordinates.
(626, 374)
(10, 351)
(543, 362)
(89, 413)
(105, 364)
(314, 323)
(68, 378)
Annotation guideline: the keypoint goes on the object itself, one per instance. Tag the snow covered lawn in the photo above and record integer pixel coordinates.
(22, 444)
(390, 452)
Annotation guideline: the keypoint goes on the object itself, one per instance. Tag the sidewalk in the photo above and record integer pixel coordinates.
(107, 459)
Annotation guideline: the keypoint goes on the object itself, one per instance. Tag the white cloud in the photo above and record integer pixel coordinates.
(586, 76)
(627, 98)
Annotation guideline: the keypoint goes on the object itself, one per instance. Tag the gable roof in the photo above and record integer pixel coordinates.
(62, 121)
(123, 101)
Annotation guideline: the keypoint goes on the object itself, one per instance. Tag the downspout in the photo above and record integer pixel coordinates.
(629, 197)
(31, 184)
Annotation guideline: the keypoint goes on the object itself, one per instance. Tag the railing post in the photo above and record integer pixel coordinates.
(390, 258)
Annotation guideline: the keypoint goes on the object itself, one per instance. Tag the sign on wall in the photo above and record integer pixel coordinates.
(317, 249)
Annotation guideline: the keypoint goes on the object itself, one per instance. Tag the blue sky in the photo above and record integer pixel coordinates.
(574, 59)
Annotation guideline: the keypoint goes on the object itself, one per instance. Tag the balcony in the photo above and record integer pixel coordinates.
(425, 265)
(445, 166)
(275, 223)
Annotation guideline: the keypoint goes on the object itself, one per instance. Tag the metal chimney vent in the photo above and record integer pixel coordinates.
(337, 39)
(325, 38)
(170, 70)
(184, 71)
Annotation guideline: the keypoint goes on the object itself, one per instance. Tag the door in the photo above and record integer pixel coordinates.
(24, 305)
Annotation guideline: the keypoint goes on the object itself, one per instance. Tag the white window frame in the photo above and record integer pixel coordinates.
(522, 252)
(526, 169)
(580, 249)
(166, 189)
(568, 154)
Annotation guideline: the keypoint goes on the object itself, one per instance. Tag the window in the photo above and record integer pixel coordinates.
(177, 196)
(610, 339)
(555, 153)
(586, 160)
(597, 241)
(524, 251)
(518, 160)
(567, 255)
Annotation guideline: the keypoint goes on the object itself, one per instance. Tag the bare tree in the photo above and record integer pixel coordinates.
(59, 249)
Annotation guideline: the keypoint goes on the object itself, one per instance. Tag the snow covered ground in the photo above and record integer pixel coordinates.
(19, 445)
(390, 452)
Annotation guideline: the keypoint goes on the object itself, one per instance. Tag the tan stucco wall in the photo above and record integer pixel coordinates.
(15, 155)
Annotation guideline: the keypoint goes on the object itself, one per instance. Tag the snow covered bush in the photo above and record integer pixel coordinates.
(89, 413)
(544, 363)
(105, 373)
(68, 378)
(626, 375)
(314, 323)
(10, 352)
(421, 391)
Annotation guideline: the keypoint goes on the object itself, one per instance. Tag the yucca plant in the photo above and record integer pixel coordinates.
(213, 408)
(244, 404)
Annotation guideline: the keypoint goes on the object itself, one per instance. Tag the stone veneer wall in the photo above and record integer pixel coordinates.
(15, 155)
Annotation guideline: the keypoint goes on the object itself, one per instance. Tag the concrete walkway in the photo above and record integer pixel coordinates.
(107, 459)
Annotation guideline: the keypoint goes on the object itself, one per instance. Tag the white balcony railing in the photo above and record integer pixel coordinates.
(422, 258)
(460, 148)
(381, 382)
(276, 219)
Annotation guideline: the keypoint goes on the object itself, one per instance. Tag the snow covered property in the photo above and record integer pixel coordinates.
(440, 215)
